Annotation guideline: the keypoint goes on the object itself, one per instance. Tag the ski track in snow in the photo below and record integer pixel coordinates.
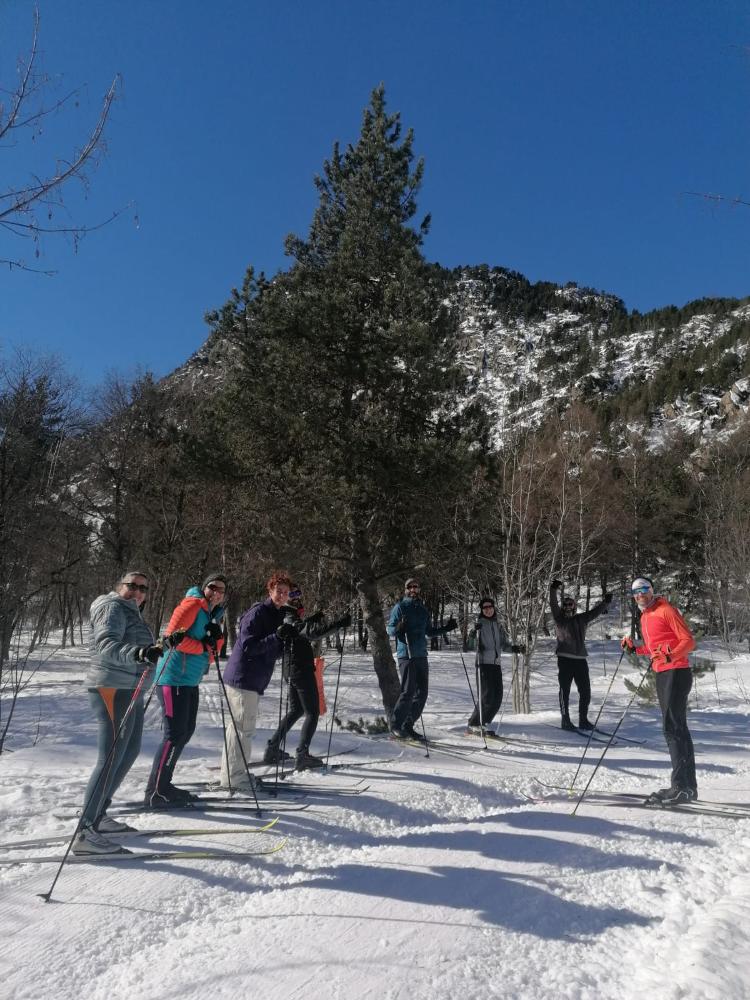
(448, 876)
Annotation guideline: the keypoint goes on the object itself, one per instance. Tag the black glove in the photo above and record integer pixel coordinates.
(212, 633)
(401, 627)
(450, 625)
(288, 631)
(478, 622)
(345, 620)
(556, 585)
(518, 648)
(174, 638)
(149, 654)
(608, 598)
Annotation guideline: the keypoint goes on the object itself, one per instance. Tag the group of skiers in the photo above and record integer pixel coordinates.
(126, 658)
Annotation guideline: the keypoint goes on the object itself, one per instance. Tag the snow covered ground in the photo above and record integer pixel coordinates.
(429, 878)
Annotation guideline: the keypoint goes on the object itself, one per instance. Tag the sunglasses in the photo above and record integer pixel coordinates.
(212, 586)
(488, 607)
(136, 586)
(640, 590)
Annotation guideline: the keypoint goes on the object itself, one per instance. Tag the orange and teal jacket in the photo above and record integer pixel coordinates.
(666, 636)
(188, 662)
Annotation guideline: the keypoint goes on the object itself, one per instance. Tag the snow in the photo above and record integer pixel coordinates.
(432, 878)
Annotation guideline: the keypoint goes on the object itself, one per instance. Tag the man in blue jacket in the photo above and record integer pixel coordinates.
(410, 624)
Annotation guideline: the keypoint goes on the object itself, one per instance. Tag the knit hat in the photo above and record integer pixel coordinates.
(410, 581)
(214, 578)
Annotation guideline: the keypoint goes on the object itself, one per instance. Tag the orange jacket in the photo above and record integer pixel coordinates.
(665, 633)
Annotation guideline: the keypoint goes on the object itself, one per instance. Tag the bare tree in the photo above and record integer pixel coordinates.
(30, 208)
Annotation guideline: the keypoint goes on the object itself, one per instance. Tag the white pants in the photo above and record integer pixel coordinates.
(244, 708)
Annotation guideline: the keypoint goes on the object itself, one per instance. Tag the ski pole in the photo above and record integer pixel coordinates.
(614, 733)
(237, 736)
(591, 734)
(424, 733)
(335, 697)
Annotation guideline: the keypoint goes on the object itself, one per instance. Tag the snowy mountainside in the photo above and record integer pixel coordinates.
(533, 347)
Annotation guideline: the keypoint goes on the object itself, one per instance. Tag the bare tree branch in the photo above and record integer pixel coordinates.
(20, 204)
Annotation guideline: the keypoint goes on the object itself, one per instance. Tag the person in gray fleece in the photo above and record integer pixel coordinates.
(491, 640)
(122, 648)
(572, 664)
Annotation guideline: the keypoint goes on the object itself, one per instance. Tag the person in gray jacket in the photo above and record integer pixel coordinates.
(122, 648)
(572, 664)
(491, 640)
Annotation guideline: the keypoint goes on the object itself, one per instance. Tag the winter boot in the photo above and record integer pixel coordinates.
(275, 755)
(163, 798)
(106, 824)
(412, 734)
(586, 725)
(182, 793)
(88, 841)
(306, 761)
(567, 724)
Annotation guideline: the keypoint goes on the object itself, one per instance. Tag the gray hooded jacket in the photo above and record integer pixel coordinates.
(491, 641)
(117, 633)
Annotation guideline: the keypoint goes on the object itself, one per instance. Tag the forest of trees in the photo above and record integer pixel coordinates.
(348, 443)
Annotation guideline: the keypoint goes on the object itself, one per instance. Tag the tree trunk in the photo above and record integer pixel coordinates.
(382, 657)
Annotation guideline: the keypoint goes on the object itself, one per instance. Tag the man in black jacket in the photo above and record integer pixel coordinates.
(572, 664)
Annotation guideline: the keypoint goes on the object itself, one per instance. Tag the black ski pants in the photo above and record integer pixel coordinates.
(179, 711)
(490, 682)
(415, 677)
(672, 689)
(303, 700)
(569, 670)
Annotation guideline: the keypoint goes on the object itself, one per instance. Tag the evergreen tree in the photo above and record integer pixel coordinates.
(347, 413)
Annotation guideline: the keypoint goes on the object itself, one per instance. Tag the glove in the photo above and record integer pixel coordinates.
(401, 626)
(450, 625)
(345, 620)
(627, 644)
(288, 631)
(478, 623)
(556, 585)
(212, 633)
(660, 660)
(174, 639)
(608, 598)
(519, 648)
(149, 654)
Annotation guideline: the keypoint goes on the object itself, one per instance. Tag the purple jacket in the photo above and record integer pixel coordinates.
(251, 661)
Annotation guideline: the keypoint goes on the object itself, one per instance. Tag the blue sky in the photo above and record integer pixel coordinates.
(560, 139)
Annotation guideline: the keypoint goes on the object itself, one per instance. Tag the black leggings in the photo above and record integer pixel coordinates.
(672, 689)
(491, 695)
(180, 710)
(569, 670)
(303, 700)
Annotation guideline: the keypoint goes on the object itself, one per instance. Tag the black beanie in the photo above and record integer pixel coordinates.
(214, 578)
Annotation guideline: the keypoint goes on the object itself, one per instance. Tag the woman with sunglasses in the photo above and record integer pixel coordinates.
(195, 636)
(122, 648)
(491, 640)
(667, 640)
